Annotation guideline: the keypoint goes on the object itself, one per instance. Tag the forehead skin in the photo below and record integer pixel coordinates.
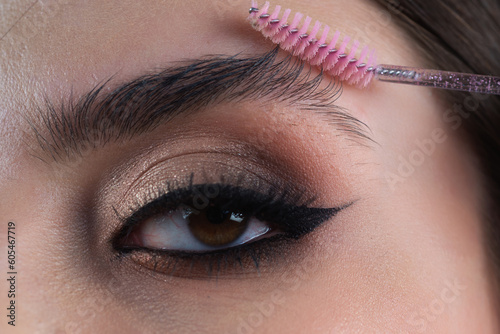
(63, 47)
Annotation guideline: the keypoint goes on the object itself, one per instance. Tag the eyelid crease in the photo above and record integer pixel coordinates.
(98, 118)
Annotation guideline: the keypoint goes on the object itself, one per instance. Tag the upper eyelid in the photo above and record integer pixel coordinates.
(272, 198)
(146, 102)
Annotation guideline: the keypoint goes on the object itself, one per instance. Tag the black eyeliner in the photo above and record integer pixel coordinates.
(274, 207)
(286, 211)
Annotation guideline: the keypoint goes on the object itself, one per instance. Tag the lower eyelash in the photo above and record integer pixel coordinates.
(241, 261)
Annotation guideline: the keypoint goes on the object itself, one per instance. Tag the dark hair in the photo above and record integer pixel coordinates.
(464, 36)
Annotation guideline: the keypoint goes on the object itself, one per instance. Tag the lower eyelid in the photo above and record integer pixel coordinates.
(251, 260)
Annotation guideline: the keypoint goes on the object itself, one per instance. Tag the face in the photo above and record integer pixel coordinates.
(155, 187)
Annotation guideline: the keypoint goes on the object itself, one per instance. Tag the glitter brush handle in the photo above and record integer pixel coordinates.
(438, 79)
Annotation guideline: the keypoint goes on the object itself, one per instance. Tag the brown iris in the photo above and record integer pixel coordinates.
(216, 226)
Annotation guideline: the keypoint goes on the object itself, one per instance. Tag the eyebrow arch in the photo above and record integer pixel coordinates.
(141, 105)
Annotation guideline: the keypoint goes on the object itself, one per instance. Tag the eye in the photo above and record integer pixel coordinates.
(213, 224)
(192, 230)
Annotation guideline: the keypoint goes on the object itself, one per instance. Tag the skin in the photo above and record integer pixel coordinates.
(407, 257)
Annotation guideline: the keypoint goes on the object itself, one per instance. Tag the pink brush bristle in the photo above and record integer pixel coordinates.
(336, 59)
(323, 50)
(307, 48)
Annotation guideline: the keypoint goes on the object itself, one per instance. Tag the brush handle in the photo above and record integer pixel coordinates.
(439, 79)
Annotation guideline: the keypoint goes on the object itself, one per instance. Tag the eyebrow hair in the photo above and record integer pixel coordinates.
(141, 105)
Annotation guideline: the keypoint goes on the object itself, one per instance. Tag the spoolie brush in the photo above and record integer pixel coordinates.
(338, 58)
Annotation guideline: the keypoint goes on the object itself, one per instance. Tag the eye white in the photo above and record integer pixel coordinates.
(171, 232)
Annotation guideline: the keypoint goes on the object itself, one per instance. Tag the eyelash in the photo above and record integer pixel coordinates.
(284, 210)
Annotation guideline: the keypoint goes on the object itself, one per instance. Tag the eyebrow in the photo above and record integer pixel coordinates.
(99, 117)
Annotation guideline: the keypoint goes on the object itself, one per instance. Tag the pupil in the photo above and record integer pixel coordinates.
(216, 215)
